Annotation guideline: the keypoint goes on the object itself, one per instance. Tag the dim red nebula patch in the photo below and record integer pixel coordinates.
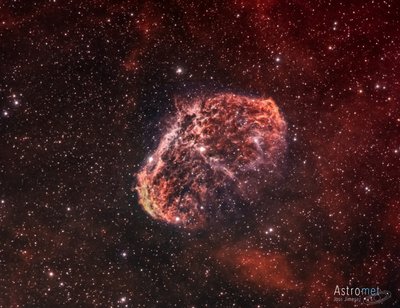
(218, 149)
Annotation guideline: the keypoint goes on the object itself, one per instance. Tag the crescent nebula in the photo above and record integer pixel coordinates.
(218, 149)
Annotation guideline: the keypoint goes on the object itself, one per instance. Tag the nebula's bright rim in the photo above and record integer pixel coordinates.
(218, 148)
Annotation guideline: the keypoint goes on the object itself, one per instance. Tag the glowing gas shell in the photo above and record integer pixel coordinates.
(218, 148)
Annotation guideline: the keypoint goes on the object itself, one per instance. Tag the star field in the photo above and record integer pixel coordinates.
(86, 91)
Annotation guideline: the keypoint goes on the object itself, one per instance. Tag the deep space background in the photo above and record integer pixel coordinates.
(85, 87)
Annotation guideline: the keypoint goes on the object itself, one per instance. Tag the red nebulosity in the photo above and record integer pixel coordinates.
(220, 146)
(270, 271)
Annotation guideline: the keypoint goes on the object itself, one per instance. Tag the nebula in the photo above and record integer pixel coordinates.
(256, 268)
(218, 149)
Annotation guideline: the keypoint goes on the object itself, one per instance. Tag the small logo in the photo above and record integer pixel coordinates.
(379, 298)
(361, 295)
